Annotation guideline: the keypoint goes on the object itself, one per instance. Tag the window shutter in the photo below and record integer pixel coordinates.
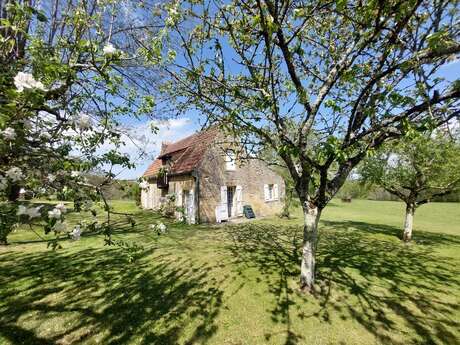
(275, 192)
(223, 195)
(239, 200)
(266, 192)
(191, 210)
(221, 208)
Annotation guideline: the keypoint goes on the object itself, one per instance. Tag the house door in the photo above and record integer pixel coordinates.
(230, 204)
(189, 206)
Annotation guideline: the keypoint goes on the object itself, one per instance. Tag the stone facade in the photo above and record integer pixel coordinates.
(252, 175)
(153, 197)
(218, 187)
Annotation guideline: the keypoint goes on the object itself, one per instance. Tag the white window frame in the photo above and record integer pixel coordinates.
(230, 160)
(271, 192)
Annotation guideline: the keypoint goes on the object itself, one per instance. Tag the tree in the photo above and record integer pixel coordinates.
(416, 171)
(69, 71)
(348, 75)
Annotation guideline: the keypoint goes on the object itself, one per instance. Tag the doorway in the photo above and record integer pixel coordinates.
(230, 202)
(188, 205)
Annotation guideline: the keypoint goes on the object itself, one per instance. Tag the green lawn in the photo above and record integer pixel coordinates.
(238, 284)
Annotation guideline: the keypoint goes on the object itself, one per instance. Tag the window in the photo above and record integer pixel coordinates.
(271, 192)
(230, 160)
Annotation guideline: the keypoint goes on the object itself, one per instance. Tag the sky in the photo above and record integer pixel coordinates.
(178, 128)
(170, 131)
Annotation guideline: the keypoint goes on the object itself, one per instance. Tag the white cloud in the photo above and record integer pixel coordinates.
(177, 123)
(140, 139)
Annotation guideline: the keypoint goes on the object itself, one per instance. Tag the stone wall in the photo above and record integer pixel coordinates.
(252, 176)
(154, 195)
(150, 197)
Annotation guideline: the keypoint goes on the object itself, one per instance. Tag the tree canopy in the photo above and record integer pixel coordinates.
(71, 73)
(346, 76)
(416, 170)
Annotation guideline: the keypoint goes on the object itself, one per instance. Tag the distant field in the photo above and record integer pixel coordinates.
(434, 217)
(238, 284)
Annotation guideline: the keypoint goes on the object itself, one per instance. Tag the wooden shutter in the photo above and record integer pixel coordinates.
(266, 192)
(223, 195)
(221, 208)
(191, 207)
(239, 200)
(275, 192)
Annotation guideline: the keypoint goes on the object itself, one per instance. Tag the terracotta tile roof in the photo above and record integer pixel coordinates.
(153, 168)
(185, 154)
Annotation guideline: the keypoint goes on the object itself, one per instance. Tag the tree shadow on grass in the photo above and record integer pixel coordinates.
(121, 226)
(419, 237)
(94, 295)
(401, 294)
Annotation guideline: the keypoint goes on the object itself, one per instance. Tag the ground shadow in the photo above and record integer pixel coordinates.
(419, 237)
(365, 274)
(97, 295)
(386, 286)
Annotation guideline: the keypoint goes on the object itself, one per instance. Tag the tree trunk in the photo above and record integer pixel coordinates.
(408, 222)
(310, 236)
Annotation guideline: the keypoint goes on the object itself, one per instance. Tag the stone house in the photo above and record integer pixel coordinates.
(205, 180)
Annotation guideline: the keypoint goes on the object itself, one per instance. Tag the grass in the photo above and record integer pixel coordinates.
(238, 284)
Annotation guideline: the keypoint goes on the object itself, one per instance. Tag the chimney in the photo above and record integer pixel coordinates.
(164, 145)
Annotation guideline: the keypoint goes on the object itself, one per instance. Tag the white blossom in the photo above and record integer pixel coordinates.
(14, 174)
(75, 173)
(27, 124)
(26, 81)
(22, 210)
(162, 227)
(159, 227)
(55, 213)
(109, 49)
(144, 185)
(22, 191)
(76, 232)
(83, 122)
(61, 207)
(9, 133)
(51, 178)
(34, 212)
(59, 226)
(45, 135)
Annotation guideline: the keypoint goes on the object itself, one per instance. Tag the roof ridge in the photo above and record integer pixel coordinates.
(186, 142)
(187, 153)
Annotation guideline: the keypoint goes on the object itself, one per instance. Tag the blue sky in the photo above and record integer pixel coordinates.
(171, 130)
(180, 127)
